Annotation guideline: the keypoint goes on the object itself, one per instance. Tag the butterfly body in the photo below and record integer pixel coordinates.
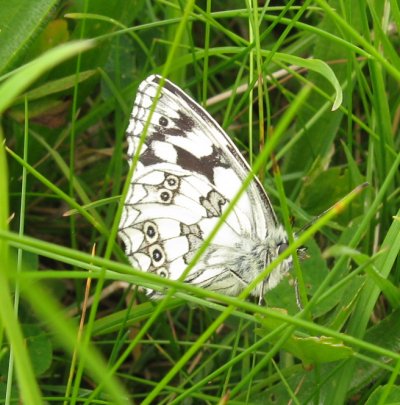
(187, 173)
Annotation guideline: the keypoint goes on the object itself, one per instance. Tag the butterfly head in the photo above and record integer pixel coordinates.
(276, 243)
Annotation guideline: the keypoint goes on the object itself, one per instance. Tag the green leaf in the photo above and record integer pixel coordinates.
(325, 189)
(391, 394)
(21, 21)
(114, 321)
(56, 86)
(309, 349)
(15, 85)
(321, 125)
(317, 66)
(385, 334)
(39, 346)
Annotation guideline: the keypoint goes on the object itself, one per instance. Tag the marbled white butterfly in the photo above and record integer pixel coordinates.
(188, 171)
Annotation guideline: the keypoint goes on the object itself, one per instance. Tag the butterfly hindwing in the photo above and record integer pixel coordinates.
(187, 173)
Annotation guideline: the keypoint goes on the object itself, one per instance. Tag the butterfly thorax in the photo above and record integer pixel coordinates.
(230, 269)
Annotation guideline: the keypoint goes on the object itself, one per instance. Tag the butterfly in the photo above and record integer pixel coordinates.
(187, 173)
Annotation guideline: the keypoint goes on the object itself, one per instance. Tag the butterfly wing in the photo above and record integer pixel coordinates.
(188, 171)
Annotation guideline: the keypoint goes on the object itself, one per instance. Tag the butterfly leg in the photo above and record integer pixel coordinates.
(297, 292)
(261, 299)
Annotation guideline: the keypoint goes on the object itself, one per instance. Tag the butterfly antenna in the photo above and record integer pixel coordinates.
(339, 203)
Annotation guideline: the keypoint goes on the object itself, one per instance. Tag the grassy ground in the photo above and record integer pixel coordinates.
(69, 72)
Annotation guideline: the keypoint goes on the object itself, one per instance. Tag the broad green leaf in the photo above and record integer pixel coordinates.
(21, 21)
(39, 346)
(56, 86)
(390, 393)
(310, 349)
(25, 76)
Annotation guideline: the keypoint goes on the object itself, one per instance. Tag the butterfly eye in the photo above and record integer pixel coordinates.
(157, 255)
(163, 121)
(165, 196)
(150, 231)
(171, 182)
(282, 247)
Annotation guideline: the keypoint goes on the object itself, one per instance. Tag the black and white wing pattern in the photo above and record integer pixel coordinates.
(188, 171)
